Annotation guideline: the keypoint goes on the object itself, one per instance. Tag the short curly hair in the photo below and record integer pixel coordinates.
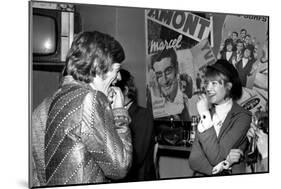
(92, 53)
(166, 53)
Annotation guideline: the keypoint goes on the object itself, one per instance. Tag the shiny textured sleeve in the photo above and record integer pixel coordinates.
(38, 125)
(35, 145)
(34, 179)
(106, 135)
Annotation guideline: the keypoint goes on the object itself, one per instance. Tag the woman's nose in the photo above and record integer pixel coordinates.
(208, 86)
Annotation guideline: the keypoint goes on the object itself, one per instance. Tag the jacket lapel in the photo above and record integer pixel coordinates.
(133, 108)
(226, 124)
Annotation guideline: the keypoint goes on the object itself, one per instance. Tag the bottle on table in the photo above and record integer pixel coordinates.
(194, 122)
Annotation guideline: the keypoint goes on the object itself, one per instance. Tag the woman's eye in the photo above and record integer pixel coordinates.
(214, 82)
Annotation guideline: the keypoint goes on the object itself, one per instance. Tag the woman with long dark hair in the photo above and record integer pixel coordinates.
(142, 131)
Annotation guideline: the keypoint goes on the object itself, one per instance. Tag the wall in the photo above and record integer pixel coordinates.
(100, 18)
(44, 84)
(127, 26)
(131, 33)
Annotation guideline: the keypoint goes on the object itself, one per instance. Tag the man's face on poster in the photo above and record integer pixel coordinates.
(234, 36)
(247, 53)
(248, 40)
(243, 33)
(239, 47)
(229, 47)
(166, 76)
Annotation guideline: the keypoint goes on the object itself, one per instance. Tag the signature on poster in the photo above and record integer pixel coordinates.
(159, 46)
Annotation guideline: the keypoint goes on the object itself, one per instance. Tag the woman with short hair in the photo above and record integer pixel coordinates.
(221, 140)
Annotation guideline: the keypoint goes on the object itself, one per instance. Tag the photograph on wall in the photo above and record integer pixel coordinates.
(128, 94)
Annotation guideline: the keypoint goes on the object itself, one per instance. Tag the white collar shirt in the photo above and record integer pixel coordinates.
(220, 114)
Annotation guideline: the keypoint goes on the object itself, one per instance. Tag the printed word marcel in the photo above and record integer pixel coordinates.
(159, 46)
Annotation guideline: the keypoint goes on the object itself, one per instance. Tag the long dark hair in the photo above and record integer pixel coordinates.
(127, 80)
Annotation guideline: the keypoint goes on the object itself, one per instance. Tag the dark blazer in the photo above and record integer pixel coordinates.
(208, 150)
(244, 72)
(142, 132)
(223, 56)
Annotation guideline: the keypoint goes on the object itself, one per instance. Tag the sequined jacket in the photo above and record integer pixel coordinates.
(39, 118)
(85, 140)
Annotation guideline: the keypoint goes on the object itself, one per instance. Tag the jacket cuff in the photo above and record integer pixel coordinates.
(205, 121)
(121, 114)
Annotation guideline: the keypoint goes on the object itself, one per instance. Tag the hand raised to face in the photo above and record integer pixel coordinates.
(202, 104)
(115, 97)
(262, 143)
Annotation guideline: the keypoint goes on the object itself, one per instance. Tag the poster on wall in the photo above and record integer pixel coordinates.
(243, 42)
(250, 43)
(178, 47)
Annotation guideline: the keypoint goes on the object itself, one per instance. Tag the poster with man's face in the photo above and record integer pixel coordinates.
(179, 44)
(172, 38)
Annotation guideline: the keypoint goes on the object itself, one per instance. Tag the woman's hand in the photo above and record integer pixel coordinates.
(234, 156)
(202, 104)
(220, 167)
(203, 110)
(116, 97)
(252, 131)
(262, 143)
